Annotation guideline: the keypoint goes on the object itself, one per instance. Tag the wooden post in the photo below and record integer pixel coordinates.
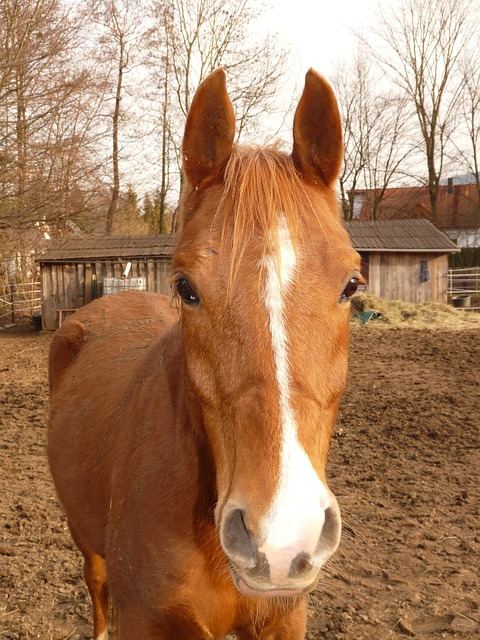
(88, 283)
(12, 295)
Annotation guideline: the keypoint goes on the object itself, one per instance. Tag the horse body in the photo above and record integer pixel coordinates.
(189, 450)
(110, 459)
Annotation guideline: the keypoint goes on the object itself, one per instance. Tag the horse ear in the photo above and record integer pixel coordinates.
(317, 131)
(209, 131)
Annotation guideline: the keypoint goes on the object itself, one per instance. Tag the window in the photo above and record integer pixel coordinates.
(424, 275)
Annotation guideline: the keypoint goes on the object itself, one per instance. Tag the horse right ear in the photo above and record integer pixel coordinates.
(209, 131)
(317, 132)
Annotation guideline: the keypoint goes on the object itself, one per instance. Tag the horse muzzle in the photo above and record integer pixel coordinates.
(285, 565)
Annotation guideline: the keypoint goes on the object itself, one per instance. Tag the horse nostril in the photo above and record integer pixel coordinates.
(236, 539)
(331, 531)
(300, 566)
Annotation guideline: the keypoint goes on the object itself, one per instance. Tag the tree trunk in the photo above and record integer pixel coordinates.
(21, 140)
(116, 118)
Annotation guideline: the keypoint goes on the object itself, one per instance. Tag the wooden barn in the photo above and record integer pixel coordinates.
(81, 269)
(403, 259)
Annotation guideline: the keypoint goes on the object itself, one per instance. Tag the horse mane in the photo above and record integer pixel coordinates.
(260, 184)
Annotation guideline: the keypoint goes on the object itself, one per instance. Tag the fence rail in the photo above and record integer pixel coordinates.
(464, 287)
(19, 300)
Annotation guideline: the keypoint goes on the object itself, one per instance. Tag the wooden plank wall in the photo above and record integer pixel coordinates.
(393, 276)
(63, 287)
(396, 276)
(68, 286)
(157, 272)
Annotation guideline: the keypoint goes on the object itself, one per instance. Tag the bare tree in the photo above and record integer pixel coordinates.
(423, 40)
(160, 64)
(377, 136)
(206, 34)
(348, 87)
(44, 122)
(121, 26)
(197, 36)
(470, 114)
(391, 147)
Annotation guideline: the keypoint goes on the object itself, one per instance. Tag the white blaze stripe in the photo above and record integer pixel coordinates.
(277, 282)
(296, 515)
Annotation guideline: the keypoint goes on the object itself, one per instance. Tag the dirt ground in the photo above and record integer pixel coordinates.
(404, 465)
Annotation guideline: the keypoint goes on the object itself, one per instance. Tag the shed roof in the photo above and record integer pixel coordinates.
(96, 248)
(412, 236)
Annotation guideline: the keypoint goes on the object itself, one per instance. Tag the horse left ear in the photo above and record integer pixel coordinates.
(209, 131)
(317, 132)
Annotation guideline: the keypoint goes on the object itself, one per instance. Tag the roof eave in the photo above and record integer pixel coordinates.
(144, 258)
(383, 250)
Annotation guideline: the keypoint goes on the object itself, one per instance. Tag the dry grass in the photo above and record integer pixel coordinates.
(398, 313)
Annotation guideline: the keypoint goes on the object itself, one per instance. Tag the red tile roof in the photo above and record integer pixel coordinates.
(460, 209)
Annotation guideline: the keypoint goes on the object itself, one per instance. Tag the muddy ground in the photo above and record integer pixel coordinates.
(404, 465)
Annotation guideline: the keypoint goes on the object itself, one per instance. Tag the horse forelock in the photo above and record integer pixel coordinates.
(260, 184)
(260, 196)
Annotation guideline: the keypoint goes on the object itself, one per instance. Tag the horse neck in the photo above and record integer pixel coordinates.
(190, 432)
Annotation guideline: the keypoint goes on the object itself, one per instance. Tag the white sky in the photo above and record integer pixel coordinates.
(318, 34)
(317, 31)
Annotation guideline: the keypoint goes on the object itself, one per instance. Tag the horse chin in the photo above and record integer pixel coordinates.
(263, 592)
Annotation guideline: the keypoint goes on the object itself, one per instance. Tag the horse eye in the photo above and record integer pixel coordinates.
(349, 290)
(187, 292)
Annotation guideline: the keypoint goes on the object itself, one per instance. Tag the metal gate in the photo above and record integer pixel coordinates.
(464, 288)
(19, 301)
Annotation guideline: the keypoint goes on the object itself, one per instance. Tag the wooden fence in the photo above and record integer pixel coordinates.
(18, 301)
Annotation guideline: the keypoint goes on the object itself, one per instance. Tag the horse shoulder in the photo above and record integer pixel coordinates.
(103, 346)
(65, 346)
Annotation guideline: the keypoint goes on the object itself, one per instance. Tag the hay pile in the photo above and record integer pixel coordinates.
(396, 312)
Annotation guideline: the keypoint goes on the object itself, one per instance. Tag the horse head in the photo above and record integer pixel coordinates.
(264, 270)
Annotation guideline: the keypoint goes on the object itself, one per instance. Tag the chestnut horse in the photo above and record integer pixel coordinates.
(188, 448)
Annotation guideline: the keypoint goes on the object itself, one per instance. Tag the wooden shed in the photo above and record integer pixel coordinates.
(81, 269)
(403, 259)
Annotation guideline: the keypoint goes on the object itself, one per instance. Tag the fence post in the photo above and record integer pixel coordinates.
(12, 296)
